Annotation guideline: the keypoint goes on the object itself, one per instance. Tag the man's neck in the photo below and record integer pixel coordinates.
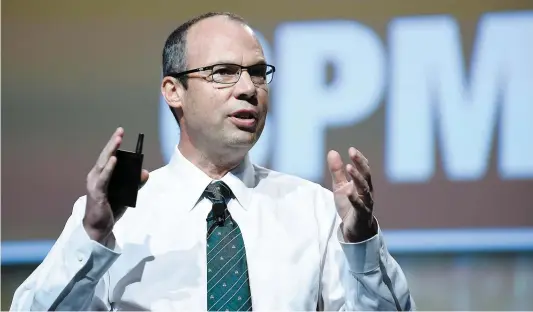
(215, 166)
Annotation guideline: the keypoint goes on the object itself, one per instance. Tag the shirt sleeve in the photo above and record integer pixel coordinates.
(71, 277)
(358, 276)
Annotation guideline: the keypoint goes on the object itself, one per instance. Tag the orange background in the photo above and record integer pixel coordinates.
(74, 70)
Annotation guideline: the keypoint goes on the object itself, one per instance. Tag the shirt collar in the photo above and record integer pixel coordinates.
(193, 181)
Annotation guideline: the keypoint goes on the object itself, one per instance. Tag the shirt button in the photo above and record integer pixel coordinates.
(79, 256)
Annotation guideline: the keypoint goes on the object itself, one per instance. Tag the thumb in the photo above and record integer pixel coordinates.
(336, 168)
(144, 177)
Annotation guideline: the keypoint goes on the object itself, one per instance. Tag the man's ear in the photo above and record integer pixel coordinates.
(173, 92)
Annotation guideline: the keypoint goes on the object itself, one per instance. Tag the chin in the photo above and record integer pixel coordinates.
(243, 139)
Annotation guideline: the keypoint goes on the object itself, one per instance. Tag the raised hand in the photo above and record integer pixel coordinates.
(353, 193)
(100, 217)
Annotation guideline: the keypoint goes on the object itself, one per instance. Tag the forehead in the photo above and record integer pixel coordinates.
(220, 39)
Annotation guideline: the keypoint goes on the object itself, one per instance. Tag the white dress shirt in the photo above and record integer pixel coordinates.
(296, 256)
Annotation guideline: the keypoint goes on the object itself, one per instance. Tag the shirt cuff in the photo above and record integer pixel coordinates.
(362, 257)
(83, 252)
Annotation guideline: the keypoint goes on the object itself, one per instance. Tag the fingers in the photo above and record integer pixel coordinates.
(105, 175)
(363, 195)
(353, 194)
(109, 149)
(336, 168)
(104, 165)
(144, 177)
(359, 159)
(360, 173)
(362, 166)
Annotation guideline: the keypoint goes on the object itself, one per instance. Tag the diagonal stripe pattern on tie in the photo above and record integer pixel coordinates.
(228, 287)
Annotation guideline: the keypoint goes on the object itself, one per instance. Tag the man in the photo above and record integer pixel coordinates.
(211, 231)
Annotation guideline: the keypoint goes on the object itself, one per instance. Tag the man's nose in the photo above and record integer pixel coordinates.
(245, 88)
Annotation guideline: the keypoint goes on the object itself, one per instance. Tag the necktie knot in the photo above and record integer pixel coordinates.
(218, 192)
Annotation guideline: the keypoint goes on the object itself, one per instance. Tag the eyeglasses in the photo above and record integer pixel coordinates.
(260, 74)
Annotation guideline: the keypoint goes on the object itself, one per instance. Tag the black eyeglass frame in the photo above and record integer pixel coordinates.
(210, 67)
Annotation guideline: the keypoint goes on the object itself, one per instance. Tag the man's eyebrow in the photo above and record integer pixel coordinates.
(222, 62)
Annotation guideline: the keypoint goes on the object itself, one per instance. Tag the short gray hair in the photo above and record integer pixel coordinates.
(175, 50)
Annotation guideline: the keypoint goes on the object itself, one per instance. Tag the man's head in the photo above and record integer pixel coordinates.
(218, 110)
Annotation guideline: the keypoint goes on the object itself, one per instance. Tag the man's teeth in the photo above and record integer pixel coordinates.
(244, 115)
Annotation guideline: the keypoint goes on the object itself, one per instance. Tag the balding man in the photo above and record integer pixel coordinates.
(212, 231)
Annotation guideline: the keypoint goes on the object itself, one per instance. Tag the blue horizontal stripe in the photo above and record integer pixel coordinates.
(25, 252)
(398, 241)
(460, 240)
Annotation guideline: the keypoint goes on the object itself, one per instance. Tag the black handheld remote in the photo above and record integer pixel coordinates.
(126, 177)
